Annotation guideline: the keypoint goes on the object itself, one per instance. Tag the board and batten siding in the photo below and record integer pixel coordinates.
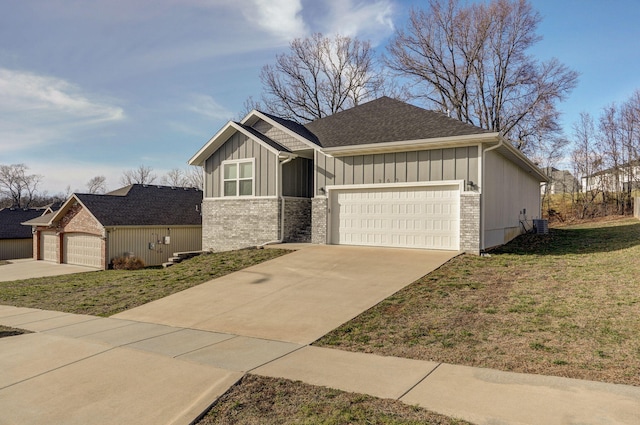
(297, 178)
(136, 240)
(508, 190)
(240, 146)
(12, 249)
(398, 167)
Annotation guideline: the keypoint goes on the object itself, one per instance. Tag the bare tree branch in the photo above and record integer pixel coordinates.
(320, 76)
(141, 175)
(472, 59)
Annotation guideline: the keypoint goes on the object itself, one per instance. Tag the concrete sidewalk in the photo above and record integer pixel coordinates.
(79, 369)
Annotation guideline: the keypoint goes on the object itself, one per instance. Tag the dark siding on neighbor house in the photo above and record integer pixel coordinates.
(240, 146)
(399, 167)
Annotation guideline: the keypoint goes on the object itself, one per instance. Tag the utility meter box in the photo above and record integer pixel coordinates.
(167, 240)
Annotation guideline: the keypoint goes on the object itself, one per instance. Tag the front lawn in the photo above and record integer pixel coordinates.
(565, 304)
(271, 401)
(104, 293)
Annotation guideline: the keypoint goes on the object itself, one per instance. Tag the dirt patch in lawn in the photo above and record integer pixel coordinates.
(271, 401)
(566, 304)
(6, 331)
(104, 293)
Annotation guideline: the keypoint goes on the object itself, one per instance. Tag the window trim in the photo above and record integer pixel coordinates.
(237, 179)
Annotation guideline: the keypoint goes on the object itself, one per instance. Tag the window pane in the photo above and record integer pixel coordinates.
(230, 171)
(246, 170)
(230, 188)
(246, 187)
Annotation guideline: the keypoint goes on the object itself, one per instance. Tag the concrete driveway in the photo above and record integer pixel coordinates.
(29, 268)
(295, 298)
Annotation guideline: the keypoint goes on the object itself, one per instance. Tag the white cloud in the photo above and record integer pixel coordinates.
(366, 19)
(207, 106)
(39, 109)
(281, 18)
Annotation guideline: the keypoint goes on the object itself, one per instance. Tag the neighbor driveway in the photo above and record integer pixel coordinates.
(296, 298)
(29, 268)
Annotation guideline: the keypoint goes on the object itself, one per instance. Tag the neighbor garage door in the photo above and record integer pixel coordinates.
(409, 217)
(82, 249)
(48, 244)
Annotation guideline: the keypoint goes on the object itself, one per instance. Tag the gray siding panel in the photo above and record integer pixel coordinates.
(240, 147)
(297, 179)
(11, 249)
(400, 167)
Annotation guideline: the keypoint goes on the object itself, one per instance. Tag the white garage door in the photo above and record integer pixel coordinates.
(409, 217)
(82, 249)
(48, 245)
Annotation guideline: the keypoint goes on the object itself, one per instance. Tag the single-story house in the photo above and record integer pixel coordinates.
(150, 222)
(384, 173)
(16, 239)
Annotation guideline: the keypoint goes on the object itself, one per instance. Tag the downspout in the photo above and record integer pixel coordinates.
(482, 201)
(281, 198)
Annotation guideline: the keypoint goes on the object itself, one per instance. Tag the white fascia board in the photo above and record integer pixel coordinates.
(220, 138)
(210, 147)
(257, 114)
(525, 163)
(413, 145)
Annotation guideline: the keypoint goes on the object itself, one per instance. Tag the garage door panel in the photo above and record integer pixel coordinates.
(83, 249)
(411, 217)
(48, 246)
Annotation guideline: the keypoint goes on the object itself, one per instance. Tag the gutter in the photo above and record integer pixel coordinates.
(482, 201)
(289, 158)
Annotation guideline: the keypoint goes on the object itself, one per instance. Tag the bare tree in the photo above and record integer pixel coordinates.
(473, 60)
(141, 175)
(174, 177)
(320, 76)
(587, 163)
(97, 184)
(17, 186)
(194, 177)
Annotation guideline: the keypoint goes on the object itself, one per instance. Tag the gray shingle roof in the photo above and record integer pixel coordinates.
(277, 146)
(299, 129)
(386, 120)
(145, 205)
(11, 219)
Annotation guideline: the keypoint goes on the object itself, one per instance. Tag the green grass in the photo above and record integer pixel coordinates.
(104, 293)
(270, 401)
(565, 304)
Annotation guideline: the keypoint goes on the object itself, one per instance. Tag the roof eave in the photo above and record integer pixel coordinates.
(220, 138)
(412, 145)
(521, 160)
(254, 115)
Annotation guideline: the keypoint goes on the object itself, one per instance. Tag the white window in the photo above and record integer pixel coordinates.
(237, 178)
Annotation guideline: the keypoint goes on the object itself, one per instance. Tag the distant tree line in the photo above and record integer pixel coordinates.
(20, 189)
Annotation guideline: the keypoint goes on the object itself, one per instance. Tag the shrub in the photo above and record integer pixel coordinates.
(128, 263)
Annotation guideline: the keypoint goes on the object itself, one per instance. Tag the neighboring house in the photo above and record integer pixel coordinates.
(384, 173)
(150, 222)
(16, 239)
(620, 179)
(560, 181)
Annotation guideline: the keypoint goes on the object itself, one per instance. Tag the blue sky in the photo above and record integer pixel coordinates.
(98, 87)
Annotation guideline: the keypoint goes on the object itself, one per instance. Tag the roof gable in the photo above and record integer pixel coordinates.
(226, 132)
(386, 120)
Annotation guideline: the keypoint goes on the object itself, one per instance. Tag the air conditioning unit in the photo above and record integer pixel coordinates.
(540, 227)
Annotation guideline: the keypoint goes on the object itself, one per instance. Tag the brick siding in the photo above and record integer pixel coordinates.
(319, 220)
(470, 222)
